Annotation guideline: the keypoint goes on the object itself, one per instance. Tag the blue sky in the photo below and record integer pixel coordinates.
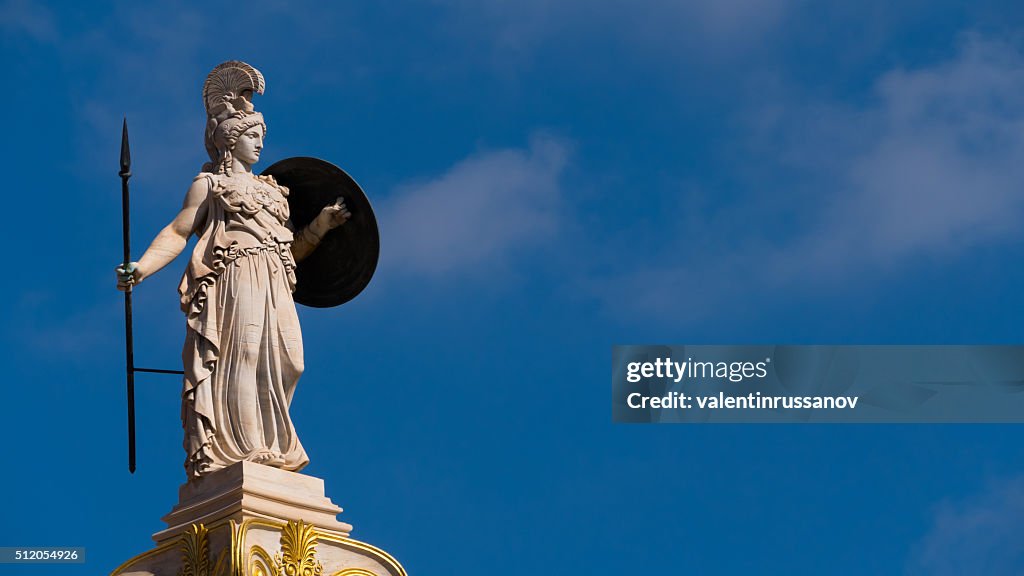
(550, 179)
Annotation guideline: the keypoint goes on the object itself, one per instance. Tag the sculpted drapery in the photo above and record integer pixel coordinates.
(243, 349)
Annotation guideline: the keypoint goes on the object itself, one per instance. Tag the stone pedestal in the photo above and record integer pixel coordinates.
(254, 520)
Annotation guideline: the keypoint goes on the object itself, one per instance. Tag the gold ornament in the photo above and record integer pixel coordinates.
(298, 551)
(195, 552)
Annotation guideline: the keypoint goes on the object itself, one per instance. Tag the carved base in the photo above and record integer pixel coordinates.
(253, 520)
(247, 490)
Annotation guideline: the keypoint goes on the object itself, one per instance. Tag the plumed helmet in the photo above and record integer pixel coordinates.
(227, 96)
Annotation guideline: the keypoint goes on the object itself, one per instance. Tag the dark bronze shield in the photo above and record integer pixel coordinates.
(343, 264)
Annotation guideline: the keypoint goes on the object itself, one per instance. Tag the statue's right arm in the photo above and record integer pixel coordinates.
(170, 242)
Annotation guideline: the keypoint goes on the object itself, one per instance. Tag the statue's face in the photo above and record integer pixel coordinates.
(249, 145)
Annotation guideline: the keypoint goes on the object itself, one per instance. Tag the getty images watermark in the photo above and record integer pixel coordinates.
(757, 383)
(733, 372)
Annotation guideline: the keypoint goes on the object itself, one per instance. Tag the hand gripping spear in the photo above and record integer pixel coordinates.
(129, 348)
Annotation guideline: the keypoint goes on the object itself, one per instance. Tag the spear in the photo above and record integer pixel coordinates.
(126, 173)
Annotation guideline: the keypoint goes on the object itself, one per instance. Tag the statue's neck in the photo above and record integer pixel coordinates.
(239, 167)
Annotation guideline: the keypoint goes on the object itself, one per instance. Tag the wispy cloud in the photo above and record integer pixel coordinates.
(477, 214)
(29, 18)
(980, 535)
(929, 167)
(152, 64)
(517, 33)
(944, 163)
(733, 20)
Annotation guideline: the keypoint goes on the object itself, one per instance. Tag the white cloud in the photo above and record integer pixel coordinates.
(945, 162)
(478, 213)
(930, 167)
(980, 535)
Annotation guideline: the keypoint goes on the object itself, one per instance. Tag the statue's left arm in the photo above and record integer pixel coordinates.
(309, 237)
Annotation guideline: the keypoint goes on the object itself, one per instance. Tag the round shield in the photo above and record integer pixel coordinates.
(343, 263)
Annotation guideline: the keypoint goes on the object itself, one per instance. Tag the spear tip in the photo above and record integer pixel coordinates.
(126, 155)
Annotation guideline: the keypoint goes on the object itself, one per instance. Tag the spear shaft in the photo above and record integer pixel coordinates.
(125, 174)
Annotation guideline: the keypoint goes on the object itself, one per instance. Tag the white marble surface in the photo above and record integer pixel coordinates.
(249, 490)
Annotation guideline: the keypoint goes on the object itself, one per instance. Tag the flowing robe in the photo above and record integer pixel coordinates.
(243, 348)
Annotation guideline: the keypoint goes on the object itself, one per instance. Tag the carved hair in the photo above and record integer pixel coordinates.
(226, 134)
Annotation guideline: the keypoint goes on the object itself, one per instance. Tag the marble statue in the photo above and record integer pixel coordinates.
(243, 348)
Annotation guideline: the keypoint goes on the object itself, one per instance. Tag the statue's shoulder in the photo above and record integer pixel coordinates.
(208, 177)
(216, 184)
